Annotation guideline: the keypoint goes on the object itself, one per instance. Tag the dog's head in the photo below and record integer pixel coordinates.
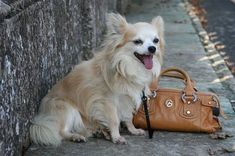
(141, 42)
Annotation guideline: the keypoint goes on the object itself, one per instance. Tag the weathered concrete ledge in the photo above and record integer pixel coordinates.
(183, 49)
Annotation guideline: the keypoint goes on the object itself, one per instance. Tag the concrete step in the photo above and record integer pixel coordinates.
(183, 49)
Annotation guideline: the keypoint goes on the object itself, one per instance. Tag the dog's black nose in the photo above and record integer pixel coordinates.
(152, 49)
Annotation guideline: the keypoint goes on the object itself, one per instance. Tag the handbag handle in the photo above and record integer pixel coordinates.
(154, 83)
(174, 75)
(178, 76)
(180, 73)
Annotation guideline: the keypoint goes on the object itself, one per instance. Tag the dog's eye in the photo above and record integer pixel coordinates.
(156, 40)
(139, 41)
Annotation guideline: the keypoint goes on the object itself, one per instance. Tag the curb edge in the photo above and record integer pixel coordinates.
(224, 75)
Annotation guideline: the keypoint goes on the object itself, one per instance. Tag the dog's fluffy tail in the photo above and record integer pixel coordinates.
(45, 131)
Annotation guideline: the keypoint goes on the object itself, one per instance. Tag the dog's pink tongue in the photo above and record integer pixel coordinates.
(148, 61)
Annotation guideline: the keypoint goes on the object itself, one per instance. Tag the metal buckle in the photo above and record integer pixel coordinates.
(194, 97)
(154, 94)
(214, 98)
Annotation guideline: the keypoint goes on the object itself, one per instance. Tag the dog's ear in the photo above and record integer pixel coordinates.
(158, 23)
(116, 24)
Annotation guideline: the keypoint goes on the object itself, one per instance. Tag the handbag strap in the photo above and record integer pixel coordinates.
(144, 100)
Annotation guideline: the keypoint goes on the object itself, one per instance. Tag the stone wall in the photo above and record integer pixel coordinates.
(40, 41)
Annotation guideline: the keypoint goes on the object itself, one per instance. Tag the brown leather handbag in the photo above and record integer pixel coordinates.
(186, 110)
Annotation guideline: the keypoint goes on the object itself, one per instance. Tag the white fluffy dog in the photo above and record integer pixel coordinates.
(100, 93)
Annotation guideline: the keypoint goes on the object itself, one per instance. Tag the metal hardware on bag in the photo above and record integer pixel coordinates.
(189, 102)
(184, 95)
(188, 112)
(215, 110)
(169, 103)
(154, 94)
(214, 98)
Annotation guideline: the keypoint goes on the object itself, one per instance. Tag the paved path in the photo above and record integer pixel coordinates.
(184, 50)
(220, 26)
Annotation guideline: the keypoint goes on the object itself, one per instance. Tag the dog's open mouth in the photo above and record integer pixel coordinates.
(147, 60)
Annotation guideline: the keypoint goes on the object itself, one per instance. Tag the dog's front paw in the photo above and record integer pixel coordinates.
(78, 138)
(119, 140)
(137, 132)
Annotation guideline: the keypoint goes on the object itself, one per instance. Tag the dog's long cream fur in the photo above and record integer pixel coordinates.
(101, 92)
